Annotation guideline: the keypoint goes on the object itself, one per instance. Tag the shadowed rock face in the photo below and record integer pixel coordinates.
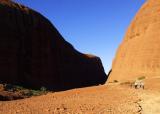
(139, 53)
(34, 54)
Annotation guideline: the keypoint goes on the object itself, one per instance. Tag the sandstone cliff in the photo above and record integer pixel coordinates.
(34, 54)
(138, 55)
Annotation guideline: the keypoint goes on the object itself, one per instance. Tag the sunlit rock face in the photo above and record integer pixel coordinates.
(139, 53)
(34, 54)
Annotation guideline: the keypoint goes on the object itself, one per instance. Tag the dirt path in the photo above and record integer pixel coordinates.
(150, 102)
(92, 100)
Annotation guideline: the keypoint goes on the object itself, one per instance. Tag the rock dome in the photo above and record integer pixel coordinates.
(34, 54)
(139, 53)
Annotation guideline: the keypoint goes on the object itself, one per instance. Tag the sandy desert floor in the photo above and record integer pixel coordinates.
(105, 99)
(150, 102)
(150, 97)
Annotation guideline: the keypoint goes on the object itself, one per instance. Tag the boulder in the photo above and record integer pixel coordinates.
(34, 54)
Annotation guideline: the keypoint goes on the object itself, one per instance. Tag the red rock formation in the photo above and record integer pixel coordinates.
(138, 55)
(34, 54)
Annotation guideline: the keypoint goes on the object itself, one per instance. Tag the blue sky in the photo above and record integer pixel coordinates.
(91, 26)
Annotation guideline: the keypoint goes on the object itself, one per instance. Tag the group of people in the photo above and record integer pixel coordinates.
(138, 84)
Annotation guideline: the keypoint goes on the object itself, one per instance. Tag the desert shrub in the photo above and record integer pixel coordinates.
(25, 91)
(141, 78)
(115, 81)
(126, 83)
(18, 88)
(43, 89)
(31, 92)
(8, 87)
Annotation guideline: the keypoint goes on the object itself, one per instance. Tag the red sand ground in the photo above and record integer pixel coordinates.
(106, 99)
(93, 100)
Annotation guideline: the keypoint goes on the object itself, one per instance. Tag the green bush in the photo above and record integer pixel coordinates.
(34, 93)
(43, 89)
(18, 88)
(25, 91)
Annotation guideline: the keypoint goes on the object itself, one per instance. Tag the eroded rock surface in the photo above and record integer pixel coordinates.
(139, 53)
(34, 54)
